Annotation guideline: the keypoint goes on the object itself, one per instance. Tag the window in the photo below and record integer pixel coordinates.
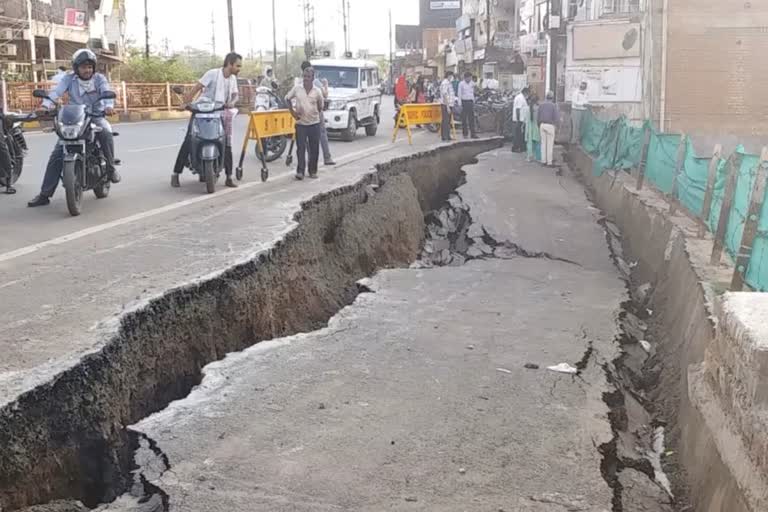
(620, 7)
(344, 78)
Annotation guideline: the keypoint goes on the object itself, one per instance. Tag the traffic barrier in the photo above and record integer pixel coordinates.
(414, 114)
(264, 125)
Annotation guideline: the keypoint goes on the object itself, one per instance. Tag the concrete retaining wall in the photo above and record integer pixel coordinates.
(712, 357)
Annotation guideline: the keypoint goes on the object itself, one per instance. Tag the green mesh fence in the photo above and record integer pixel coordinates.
(616, 144)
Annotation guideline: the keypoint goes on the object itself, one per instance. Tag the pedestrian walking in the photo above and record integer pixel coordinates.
(532, 133)
(549, 117)
(324, 144)
(447, 101)
(519, 105)
(579, 106)
(308, 113)
(467, 98)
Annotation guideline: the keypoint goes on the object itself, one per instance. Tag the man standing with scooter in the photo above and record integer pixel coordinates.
(218, 85)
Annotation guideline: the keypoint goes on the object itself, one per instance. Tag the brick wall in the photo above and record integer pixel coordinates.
(717, 67)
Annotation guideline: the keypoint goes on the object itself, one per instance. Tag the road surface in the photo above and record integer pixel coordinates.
(148, 151)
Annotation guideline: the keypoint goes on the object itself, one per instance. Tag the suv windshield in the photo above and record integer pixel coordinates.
(346, 78)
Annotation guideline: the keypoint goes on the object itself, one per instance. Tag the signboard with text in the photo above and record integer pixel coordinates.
(74, 18)
(438, 5)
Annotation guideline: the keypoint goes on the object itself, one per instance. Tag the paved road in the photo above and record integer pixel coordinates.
(148, 151)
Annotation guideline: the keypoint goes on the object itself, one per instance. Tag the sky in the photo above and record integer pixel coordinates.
(184, 25)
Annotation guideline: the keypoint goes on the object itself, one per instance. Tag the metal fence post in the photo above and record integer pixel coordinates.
(711, 179)
(124, 87)
(750, 225)
(644, 158)
(676, 178)
(168, 95)
(734, 163)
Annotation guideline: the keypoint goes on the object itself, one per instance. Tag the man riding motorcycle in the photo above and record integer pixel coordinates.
(218, 84)
(84, 87)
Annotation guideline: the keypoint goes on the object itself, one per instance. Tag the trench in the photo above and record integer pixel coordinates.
(67, 439)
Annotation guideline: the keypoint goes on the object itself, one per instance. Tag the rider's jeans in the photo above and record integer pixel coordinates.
(56, 160)
(324, 142)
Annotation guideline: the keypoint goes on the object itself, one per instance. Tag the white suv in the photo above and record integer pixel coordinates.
(354, 95)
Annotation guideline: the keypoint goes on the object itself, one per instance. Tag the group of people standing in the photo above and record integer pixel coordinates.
(454, 96)
(535, 126)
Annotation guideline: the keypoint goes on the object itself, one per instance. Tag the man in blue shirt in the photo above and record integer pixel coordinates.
(84, 87)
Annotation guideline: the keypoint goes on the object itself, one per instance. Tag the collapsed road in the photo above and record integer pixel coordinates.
(487, 383)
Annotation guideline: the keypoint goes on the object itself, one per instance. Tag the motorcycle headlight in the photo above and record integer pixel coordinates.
(205, 107)
(71, 131)
(337, 105)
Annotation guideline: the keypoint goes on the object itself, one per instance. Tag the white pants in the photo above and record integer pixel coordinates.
(547, 143)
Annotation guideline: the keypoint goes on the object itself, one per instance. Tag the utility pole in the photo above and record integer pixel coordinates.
(349, 24)
(309, 29)
(231, 27)
(487, 24)
(274, 41)
(285, 73)
(146, 29)
(32, 48)
(344, 16)
(213, 35)
(391, 61)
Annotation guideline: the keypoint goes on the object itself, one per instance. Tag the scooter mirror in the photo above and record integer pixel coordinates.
(108, 95)
(178, 89)
(39, 93)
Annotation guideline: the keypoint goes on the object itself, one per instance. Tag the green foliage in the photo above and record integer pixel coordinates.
(137, 69)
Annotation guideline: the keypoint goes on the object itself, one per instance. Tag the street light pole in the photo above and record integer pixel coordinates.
(231, 27)
(146, 29)
(391, 61)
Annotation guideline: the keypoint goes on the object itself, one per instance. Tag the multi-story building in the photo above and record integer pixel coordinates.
(48, 32)
(605, 48)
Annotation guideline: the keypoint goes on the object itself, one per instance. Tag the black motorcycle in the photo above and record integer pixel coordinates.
(13, 148)
(84, 166)
(208, 140)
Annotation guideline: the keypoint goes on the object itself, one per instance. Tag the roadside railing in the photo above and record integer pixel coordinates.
(131, 97)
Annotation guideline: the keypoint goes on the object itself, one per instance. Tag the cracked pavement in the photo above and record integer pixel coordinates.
(417, 396)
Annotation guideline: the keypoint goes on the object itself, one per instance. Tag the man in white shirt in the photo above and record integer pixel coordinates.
(447, 101)
(579, 105)
(518, 116)
(308, 113)
(218, 85)
(467, 98)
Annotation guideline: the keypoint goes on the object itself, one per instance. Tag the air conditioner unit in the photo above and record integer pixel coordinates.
(8, 50)
(6, 34)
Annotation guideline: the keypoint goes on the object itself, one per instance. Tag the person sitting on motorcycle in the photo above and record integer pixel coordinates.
(84, 87)
(269, 79)
(218, 85)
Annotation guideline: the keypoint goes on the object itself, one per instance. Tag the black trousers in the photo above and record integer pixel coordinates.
(468, 117)
(518, 140)
(445, 127)
(307, 143)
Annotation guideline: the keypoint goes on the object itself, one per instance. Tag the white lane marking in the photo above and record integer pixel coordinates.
(8, 256)
(155, 148)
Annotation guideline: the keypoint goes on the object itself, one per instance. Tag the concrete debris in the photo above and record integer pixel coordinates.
(563, 368)
(503, 370)
(646, 346)
(531, 366)
(640, 494)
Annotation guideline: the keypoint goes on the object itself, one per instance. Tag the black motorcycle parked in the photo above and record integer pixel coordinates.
(84, 163)
(13, 148)
(208, 140)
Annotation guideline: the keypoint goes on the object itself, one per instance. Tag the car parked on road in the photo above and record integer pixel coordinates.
(354, 96)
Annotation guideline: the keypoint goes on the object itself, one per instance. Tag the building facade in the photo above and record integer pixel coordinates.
(57, 28)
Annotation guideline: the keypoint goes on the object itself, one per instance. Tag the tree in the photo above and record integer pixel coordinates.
(155, 69)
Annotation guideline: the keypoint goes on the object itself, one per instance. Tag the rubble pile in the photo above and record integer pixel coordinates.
(452, 238)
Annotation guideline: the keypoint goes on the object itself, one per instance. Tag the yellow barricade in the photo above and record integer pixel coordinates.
(263, 125)
(413, 114)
